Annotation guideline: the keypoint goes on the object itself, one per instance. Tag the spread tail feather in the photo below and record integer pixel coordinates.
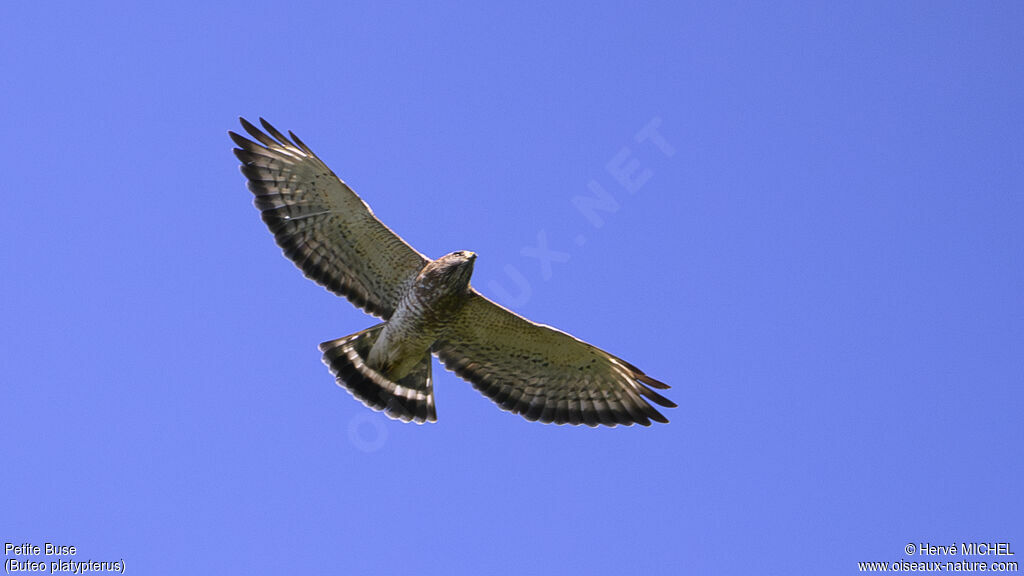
(410, 399)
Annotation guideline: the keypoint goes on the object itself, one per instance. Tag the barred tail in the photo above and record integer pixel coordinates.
(410, 399)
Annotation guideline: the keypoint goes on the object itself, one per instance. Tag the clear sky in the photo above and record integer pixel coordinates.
(821, 252)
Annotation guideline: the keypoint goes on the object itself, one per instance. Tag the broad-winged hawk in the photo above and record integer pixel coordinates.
(428, 308)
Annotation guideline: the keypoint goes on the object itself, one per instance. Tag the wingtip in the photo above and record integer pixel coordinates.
(652, 382)
(658, 417)
(238, 139)
(655, 397)
(298, 142)
(267, 125)
(275, 133)
(242, 156)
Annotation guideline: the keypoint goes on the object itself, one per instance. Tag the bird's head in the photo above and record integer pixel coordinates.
(451, 271)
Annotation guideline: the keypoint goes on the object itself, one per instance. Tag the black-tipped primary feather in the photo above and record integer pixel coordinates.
(322, 225)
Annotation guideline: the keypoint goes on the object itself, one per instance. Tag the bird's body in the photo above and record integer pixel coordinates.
(428, 308)
(438, 293)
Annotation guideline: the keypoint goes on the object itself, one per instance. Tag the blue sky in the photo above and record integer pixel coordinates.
(824, 260)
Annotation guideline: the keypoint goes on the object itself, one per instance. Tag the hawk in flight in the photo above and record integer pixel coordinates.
(428, 307)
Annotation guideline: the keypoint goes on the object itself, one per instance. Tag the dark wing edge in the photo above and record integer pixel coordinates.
(321, 224)
(545, 374)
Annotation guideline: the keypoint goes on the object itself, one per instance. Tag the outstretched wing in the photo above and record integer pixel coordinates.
(322, 225)
(543, 373)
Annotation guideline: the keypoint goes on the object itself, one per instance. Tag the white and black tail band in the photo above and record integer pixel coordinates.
(410, 399)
